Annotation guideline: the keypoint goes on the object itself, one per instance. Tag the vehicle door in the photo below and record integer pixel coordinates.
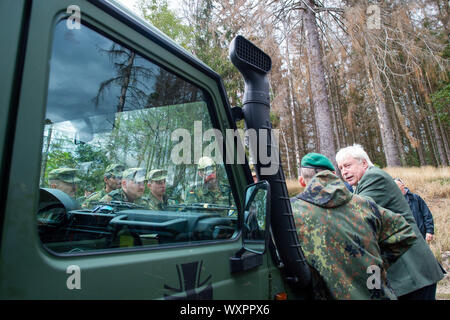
(96, 89)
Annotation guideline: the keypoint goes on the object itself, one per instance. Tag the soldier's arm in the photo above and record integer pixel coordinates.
(395, 235)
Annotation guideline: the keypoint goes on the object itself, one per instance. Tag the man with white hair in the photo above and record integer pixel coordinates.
(344, 235)
(415, 274)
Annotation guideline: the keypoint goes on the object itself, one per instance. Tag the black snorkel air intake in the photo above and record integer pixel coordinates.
(254, 65)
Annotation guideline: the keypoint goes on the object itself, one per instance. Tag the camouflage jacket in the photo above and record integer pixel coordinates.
(120, 195)
(93, 199)
(200, 194)
(349, 240)
(154, 204)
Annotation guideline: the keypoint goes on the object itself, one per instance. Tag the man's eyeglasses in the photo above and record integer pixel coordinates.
(140, 182)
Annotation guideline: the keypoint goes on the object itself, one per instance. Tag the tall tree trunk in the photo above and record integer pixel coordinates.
(444, 140)
(125, 82)
(387, 137)
(413, 123)
(45, 156)
(286, 149)
(342, 130)
(291, 103)
(416, 90)
(294, 125)
(442, 160)
(398, 138)
(431, 142)
(333, 117)
(318, 86)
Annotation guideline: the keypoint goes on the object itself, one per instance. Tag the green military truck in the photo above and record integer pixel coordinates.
(86, 85)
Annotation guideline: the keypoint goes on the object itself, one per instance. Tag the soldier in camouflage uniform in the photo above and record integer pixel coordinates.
(64, 179)
(112, 178)
(349, 240)
(208, 190)
(157, 199)
(132, 188)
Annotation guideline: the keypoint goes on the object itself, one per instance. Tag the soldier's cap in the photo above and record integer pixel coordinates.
(136, 174)
(68, 175)
(115, 169)
(317, 161)
(89, 187)
(157, 174)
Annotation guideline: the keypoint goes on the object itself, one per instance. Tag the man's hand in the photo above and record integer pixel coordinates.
(428, 237)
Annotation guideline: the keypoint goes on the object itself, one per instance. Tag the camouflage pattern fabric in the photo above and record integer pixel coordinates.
(120, 195)
(155, 204)
(200, 194)
(343, 234)
(93, 199)
(67, 175)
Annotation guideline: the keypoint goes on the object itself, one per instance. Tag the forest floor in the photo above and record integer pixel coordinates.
(433, 185)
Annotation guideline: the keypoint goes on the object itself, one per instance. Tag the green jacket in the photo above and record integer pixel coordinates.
(418, 267)
(120, 195)
(344, 236)
(200, 194)
(154, 204)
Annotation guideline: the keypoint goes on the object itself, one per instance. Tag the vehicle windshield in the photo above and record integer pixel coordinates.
(122, 133)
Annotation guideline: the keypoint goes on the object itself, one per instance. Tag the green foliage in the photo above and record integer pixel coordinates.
(92, 163)
(58, 158)
(157, 12)
(441, 101)
(204, 43)
(274, 119)
(446, 52)
(87, 153)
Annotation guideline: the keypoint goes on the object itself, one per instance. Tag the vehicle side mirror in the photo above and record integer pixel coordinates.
(256, 217)
(255, 229)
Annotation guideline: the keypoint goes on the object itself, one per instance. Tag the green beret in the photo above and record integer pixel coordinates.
(157, 174)
(317, 161)
(115, 169)
(136, 174)
(67, 175)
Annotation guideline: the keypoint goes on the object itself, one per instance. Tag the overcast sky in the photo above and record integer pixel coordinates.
(130, 4)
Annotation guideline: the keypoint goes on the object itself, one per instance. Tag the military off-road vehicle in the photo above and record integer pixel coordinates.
(87, 85)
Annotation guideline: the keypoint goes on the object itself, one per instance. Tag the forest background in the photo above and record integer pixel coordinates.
(343, 72)
(374, 73)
